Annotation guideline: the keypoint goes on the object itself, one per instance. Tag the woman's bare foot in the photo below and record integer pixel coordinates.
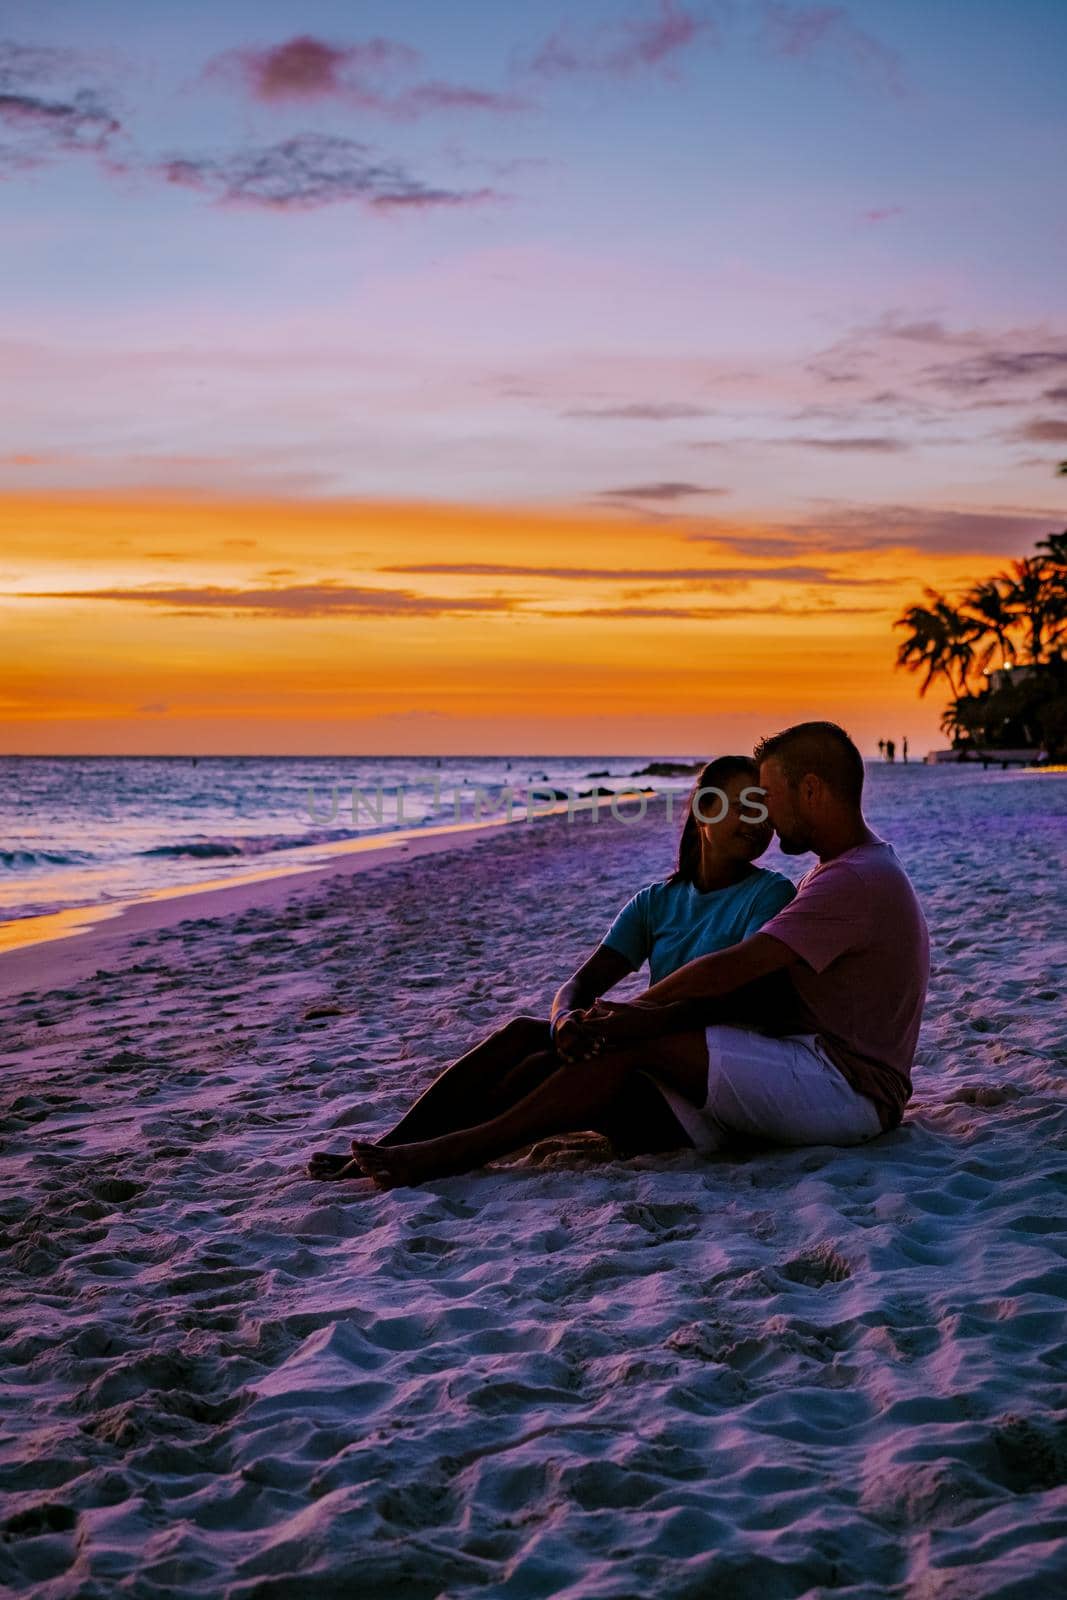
(325, 1164)
(396, 1166)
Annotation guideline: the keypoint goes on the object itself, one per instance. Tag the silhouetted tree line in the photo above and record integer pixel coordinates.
(1017, 619)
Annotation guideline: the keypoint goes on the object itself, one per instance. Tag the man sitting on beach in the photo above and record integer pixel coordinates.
(833, 1068)
(854, 945)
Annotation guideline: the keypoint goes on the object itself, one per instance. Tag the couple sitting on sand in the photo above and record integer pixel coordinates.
(789, 1015)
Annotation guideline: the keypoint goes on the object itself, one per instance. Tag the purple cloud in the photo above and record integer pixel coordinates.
(992, 367)
(846, 529)
(1044, 431)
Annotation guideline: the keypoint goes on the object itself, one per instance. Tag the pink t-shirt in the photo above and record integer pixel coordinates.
(861, 982)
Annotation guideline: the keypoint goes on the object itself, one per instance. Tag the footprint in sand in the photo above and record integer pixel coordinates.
(984, 1094)
(817, 1267)
(48, 1517)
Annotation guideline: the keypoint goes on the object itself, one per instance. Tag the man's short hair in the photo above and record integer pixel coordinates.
(821, 748)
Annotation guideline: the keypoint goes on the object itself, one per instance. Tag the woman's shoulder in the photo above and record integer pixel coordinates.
(659, 893)
(646, 894)
(669, 884)
(766, 884)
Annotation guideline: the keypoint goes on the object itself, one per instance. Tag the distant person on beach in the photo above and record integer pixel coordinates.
(830, 1065)
(890, 750)
(714, 898)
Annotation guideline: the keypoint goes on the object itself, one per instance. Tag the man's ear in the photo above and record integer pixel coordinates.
(810, 789)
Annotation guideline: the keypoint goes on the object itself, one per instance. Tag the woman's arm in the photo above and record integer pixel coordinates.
(603, 970)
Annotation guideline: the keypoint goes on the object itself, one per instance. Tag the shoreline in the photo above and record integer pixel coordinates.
(63, 946)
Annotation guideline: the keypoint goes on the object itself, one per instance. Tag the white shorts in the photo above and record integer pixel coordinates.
(786, 1090)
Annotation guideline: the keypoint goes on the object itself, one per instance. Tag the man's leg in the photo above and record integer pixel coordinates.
(784, 1090)
(573, 1097)
(640, 1123)
(469, 1091)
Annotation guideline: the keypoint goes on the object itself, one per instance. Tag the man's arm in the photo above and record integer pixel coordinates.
(712, 977)
(696, 995)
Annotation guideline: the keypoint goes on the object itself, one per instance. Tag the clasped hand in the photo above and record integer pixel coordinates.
(605, 1025)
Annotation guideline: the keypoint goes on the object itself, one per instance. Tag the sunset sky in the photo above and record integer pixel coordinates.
(445, 376)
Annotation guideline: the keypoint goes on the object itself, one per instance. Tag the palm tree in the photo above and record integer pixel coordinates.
(992, 619)
(952, 722)
(959, 643)
(1054, 559)
(940, 643)
(925, 646)
(1054, 547)
(1028, 598)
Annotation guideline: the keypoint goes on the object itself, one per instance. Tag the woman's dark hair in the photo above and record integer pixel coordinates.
(715, 775)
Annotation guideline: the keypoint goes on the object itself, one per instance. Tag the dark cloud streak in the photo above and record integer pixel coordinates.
(638, 411)
(45, 119)
(710, 575)
(879, 444)
(308, 171)
(659, 491)
(713, 613)
(295, 602)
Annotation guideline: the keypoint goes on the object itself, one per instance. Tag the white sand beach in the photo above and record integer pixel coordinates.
(783, 1374)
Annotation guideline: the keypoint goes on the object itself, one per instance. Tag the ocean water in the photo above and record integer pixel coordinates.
(89, 830)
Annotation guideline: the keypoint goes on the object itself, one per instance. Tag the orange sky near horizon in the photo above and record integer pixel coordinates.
(166, 624)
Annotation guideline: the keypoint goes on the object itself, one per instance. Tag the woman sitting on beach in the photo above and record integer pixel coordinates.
(713, 899)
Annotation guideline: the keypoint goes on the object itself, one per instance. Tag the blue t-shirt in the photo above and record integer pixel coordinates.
(668, 924)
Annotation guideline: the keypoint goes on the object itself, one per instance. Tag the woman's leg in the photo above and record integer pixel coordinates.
(469, 1091)
(573, 1097)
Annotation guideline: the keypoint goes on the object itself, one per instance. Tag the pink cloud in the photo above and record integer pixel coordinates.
(808, 32)
(363, 74)
(640, 42)
(305, 68)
